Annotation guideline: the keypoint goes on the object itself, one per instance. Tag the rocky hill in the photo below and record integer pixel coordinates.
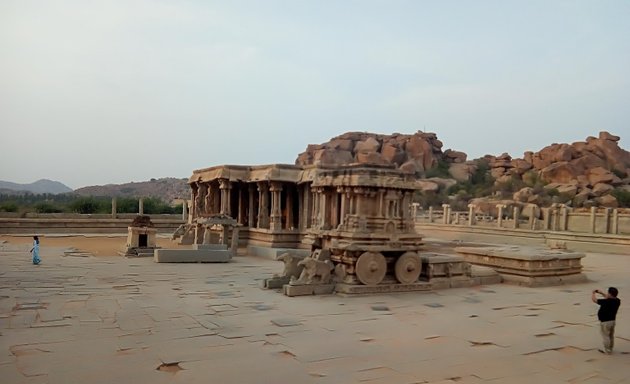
(38, 187)
(580, 174)
(166, 189)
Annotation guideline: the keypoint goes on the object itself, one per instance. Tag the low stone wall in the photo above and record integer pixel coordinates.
(56, 223)
(584, 242)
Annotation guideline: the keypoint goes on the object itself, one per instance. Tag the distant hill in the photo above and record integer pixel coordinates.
(167, 189)
(40, 186)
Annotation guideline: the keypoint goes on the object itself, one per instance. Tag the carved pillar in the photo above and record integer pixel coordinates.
(184, 210)
(276, 214)
(546, 218)
(532, 218)
(114, 213)
(430, 214)
(471, 215)
(315, 210)
(234, 246)
(323, 208)
(615, 222)
(225, 186)
(564, 216)
(593, 218)
(515, 216)
(500, 208)
(263, 204)
(414, 211)
(607, 212)
(250, 214)
(206, 234)
(141, 206)
(241, 207)
(289, 203)
(306, 211)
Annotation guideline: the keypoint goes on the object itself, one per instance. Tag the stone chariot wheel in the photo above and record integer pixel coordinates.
(408, 268)
(371, 268)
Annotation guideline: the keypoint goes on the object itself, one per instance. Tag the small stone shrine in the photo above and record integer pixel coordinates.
(141, 237)
(215, 241)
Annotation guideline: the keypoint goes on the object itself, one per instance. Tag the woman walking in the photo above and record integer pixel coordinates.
(35, 250)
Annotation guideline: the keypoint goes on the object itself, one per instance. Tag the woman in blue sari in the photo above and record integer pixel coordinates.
(35, 250)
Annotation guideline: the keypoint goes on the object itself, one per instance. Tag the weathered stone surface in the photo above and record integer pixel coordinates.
(191, 256)
(462, 171)
(608, 201)
(601, 189)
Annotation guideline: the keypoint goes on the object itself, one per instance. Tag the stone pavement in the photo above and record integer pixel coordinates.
(83, 319)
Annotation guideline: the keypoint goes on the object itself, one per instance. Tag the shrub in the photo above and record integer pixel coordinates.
(47, 207)
(440, 170)
(622, 196)
(9, 206)
(87, 205)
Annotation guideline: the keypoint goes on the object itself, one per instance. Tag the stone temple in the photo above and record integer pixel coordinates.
(348, 227)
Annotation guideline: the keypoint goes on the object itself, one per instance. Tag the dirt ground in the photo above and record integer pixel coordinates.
(100, 245)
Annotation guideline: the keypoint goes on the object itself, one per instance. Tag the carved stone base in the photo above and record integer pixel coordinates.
(276, 282)
(359, 289)
(307, 290)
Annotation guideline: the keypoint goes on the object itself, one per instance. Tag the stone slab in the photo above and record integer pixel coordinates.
(218, 247)
(356, 289)
(307, 290)
(275, 282)
(191, 256)
(273, 253)
(544, 281)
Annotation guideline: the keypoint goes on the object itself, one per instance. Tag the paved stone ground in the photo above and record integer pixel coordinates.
(77, 318)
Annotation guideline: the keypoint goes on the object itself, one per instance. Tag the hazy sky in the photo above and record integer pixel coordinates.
(97, 92)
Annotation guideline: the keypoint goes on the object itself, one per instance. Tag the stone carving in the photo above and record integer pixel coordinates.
(292, 266)
(314, 272)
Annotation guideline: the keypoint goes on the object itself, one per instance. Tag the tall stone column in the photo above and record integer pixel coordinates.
(114, 213)
(516, 216)
(241, 208)
(323, 207)
(141, 206)
(225, 186)
(500, 208)
(546, 218)
(414, 211)
(593, 219)
(471, 215)
(306, 212)
(446, 214)
(276, 214)
(250, 218)
(342, 209)
(564, 217)
(263, 205)
(430, 214)
(184, 210)
(607, 212)
(315, 212)
(289, 203)
(615, 222)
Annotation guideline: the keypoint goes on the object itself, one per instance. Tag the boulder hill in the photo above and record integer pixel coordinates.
(582, 172)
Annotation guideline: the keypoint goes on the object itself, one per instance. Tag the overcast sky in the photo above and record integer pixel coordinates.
(97, 92)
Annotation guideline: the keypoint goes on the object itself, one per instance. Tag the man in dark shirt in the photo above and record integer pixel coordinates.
(607, 314)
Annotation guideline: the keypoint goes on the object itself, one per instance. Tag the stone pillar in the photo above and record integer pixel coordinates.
(471, 215)
(276, 214)
(234, 244)
(184, 210)
(381, 198)
(263, 197)
(141, 206)
(516, 217)
(532, 218)
(500, 208)
(250, 214)
(289, 209)
(197, 234)
(225, 234)
(456, 218)
(615, 222)
(225, 186)
(607, 212)
(315, 211)
(564, 217)
(206, 234)
(342, 209)
(306, 202)
(593, 219)
(430, 214)
(446, 217)
(323, 207)
(414, 211)
(114, 213)
(241, 208)
(546, 218)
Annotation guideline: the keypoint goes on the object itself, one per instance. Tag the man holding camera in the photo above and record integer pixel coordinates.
(607, 314)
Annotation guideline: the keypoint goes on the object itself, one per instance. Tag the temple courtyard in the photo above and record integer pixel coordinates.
(87, 315)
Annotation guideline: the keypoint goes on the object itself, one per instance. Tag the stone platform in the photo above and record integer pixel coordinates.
(192, 256)
(528, 265)
(358, 289)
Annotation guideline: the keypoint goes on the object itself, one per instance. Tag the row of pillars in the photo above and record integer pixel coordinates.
(554, 218)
